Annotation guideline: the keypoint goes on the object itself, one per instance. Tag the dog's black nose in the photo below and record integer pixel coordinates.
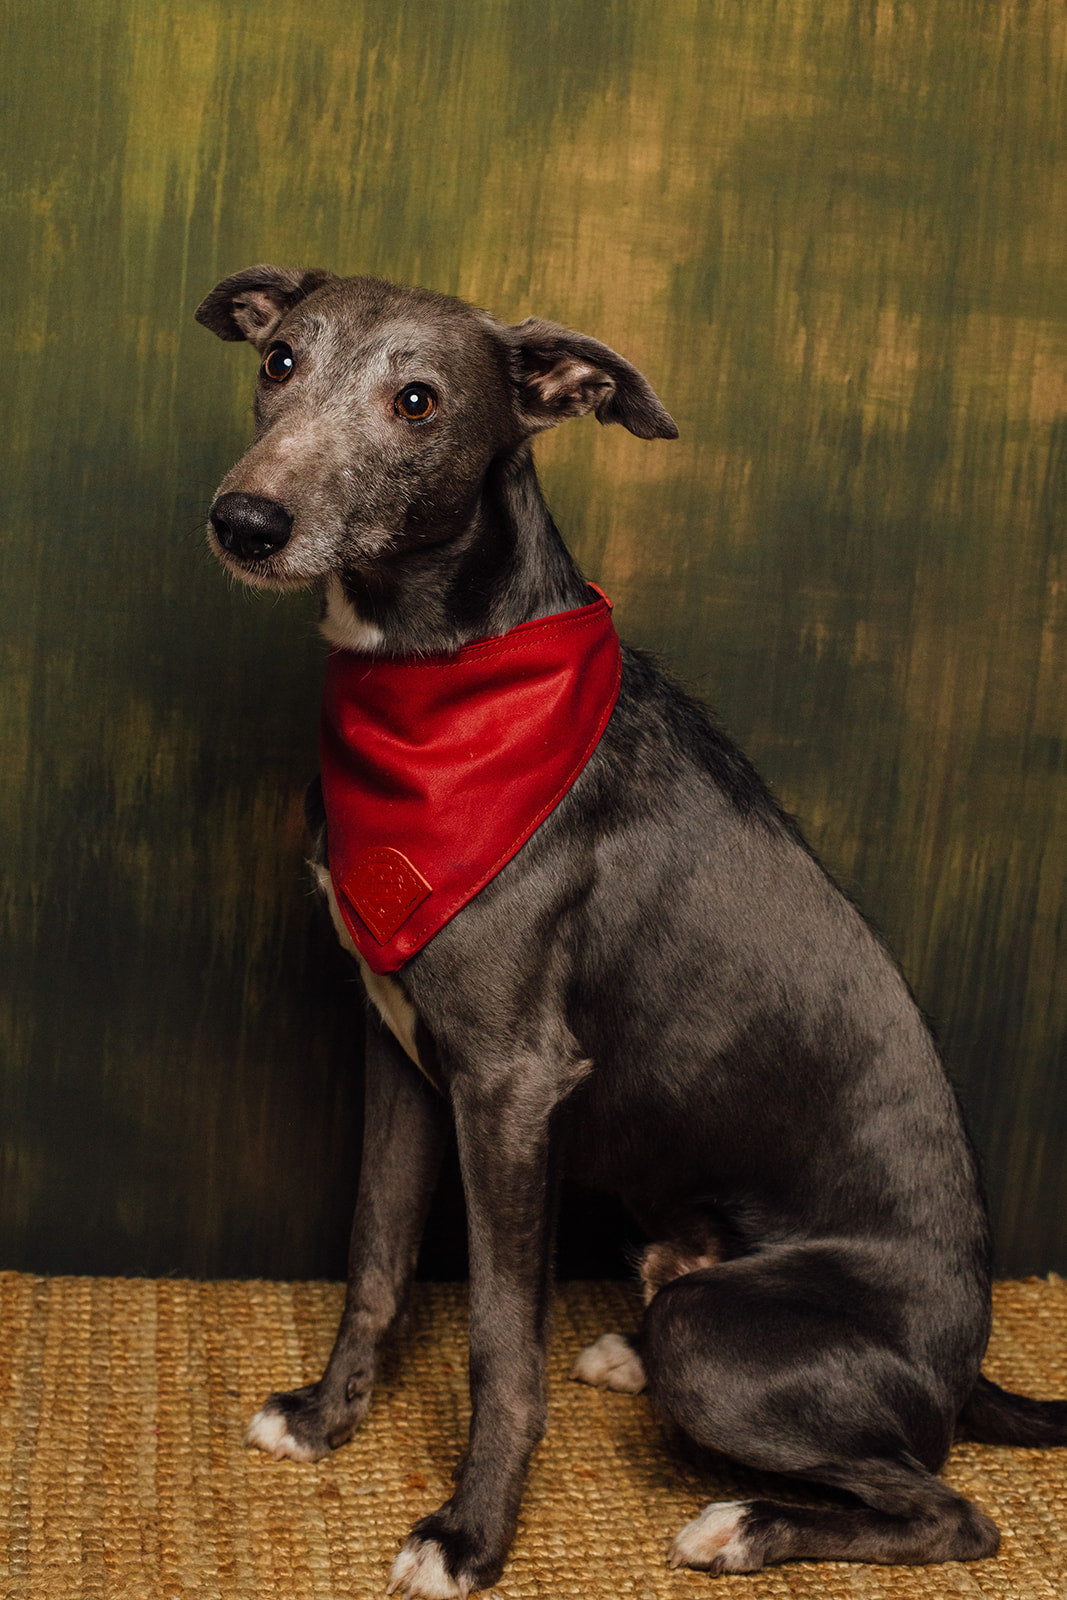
(249, 527)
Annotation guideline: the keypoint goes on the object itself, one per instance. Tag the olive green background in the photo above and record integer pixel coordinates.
(832, 232)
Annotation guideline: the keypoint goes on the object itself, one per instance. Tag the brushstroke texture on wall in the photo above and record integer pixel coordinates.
(832, 232)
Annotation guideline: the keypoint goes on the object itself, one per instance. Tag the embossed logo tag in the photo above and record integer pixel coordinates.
(384, 889)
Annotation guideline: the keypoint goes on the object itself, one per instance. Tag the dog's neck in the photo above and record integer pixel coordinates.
(505, 566)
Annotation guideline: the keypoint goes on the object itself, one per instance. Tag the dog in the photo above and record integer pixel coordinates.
(657, 988)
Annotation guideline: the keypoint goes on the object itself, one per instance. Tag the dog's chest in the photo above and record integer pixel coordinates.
(393, 1006)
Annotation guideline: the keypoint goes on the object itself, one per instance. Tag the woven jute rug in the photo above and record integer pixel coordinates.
(123, 1475)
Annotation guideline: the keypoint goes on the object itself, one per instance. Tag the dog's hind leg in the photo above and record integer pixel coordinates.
(788, 1362)
(612, 1361)
(930, 1522)
(405, 1132)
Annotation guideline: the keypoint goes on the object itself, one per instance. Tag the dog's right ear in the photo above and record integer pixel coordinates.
(250, 304)
(560, 373)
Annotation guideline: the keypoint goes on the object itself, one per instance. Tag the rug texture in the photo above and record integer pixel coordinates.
(123, 1475)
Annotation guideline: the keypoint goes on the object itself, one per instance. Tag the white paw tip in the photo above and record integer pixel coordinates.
(419, 1573)
(267, 1431)
(610, 1363)
(713, 1539)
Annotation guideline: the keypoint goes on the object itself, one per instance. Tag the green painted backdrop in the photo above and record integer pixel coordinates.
(833, 232)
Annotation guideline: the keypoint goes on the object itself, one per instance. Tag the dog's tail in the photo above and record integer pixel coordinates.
(995, 1416)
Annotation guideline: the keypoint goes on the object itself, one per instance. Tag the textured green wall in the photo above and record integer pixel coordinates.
(832, 232)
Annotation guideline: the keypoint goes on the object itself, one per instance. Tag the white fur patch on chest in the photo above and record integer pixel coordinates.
(395, 1009)
(392, 1004)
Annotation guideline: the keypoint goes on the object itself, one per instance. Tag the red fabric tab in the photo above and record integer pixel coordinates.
(384, 889)
(437, 769)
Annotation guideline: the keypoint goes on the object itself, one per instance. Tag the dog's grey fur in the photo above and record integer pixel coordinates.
(662, 993)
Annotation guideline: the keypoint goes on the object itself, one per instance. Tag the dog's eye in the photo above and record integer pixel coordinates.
(279, 363)
(415, 403)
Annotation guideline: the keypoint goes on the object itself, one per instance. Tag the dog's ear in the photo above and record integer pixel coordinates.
(562, 374)
(250, 304)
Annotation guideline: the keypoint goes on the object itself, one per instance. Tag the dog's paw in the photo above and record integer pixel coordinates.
(610, 1363)
(715, 1541)
(269, 1431)
(420, 1570)
(303, 1425)
(445, 1557)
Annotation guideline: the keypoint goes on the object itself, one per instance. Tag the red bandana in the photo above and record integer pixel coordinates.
(437, 769)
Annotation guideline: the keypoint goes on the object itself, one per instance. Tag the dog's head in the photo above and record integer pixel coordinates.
(379, 410)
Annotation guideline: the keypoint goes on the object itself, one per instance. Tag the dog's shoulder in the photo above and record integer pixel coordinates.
(662, 737)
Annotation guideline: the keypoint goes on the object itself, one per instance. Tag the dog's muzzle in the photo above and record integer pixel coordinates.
(249, 527)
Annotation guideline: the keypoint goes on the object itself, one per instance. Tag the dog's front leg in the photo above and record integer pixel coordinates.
(502, 1126)
(405, 1132)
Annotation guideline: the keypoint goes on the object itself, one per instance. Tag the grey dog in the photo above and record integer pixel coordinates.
(662, 991)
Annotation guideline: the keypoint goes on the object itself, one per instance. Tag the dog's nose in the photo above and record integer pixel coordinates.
(248, 526)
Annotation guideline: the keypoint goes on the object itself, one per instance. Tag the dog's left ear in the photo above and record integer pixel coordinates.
(250, 304)
(561, 374)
